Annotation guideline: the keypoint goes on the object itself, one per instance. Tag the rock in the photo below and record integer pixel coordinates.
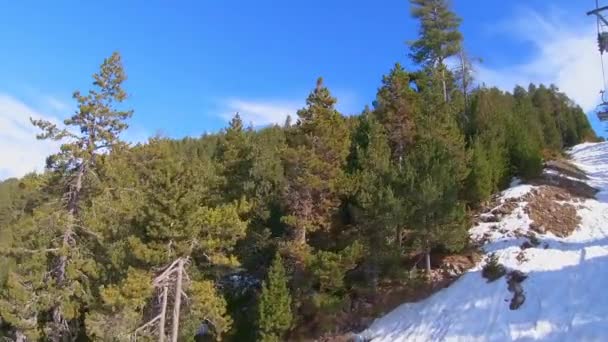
(486, 218)
(526, 245)
(514, 280)
(521, 257)
(517, 301)
(517, 276)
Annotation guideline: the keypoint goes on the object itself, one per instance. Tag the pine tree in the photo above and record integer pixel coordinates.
(479, 183)
(439, 37)
(542, 100)
(435, 170)
(380, 208)
(274, 316)
(91, 131)
(395, 107)
(164, 205)
(314, 164)
(235, 154)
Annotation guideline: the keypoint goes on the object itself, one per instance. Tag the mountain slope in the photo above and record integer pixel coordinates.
(565, 289)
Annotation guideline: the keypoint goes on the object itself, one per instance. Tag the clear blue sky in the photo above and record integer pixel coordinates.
(191, 63)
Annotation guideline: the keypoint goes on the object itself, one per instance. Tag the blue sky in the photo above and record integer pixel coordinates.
(191, 64)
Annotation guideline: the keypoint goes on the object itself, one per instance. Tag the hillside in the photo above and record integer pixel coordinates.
(309, 229)
(565, 285)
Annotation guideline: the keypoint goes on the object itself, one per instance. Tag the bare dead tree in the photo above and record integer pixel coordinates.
(172, 278)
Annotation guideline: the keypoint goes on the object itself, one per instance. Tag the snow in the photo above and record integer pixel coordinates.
(516, 191)
(566, 293)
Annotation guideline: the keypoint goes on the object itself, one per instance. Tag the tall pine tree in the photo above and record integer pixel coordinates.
(68, 266)
(314, 164)
(439, 37)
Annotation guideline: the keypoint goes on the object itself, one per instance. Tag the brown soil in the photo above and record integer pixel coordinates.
(548, 214)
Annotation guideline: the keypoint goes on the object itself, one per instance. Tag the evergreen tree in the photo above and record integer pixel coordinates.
(439, 37)
(314, 164)
(380, 206)
(436, 169)
(395, 107)
(93, 129)
(275, 317)
(479, 182)
(542, 100)
(163, 205)
(235, 154)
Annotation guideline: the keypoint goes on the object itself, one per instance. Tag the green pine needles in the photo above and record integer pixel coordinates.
(275, 315)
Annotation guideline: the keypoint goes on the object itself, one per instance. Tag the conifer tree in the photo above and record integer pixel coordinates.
(479, 185)
(164, 205)
(436, 169)
(314, 164)
(395, 107)
(92, 130)
(235, 153)
(439, 37)
(274, 312)
(381, 207)
(542, 100)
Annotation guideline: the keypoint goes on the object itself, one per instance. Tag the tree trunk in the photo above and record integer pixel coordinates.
(60, 324)
(20, 337)
(299, 235)
(163, 313)
(445, 89)
(428, 261)
(399, 232)
(465, 85)
(178, 300)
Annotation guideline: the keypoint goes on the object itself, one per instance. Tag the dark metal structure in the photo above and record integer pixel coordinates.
(602, 41)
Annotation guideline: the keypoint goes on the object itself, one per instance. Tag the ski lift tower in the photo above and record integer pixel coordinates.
(602, 41)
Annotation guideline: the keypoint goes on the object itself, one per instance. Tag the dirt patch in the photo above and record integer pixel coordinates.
(547, 214)
(496, 210)
(453, 265)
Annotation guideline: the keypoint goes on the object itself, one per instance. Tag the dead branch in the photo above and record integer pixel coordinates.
(145, 326)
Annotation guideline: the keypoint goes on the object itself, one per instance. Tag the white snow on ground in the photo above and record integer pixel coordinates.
(566, 289)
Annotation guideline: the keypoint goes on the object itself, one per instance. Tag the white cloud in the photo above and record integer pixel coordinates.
(565, 54)
(56, 104)
(260, 113)
(20, 151)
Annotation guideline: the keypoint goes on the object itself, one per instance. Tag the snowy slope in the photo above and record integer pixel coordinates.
(566, 289)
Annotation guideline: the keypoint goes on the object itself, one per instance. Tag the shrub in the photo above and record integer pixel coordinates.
(493, 270)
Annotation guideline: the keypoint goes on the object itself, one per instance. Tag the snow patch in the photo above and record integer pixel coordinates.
(516, 191)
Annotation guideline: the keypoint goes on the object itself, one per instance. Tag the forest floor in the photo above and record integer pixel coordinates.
(552, 238)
